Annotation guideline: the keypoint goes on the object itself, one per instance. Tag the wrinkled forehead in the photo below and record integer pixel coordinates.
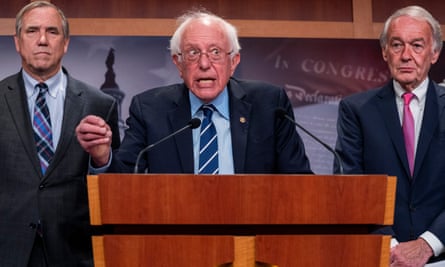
(410, 24)
(42, 16)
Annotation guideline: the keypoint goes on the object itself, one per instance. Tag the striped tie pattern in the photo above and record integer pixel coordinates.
(208, 146)
(42, 128)
(408, 130)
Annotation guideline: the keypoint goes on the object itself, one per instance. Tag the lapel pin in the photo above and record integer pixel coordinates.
(242, 119)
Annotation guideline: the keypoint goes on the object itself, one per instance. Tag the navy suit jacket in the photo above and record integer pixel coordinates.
(262, 143)
(59, 198)
(370, 141)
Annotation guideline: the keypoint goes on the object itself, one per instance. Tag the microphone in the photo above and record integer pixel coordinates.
(281, 113)
(193, 124)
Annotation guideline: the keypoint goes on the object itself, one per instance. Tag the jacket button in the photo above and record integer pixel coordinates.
(32, 225)
(42, 186)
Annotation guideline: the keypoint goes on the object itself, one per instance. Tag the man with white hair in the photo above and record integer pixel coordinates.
(248, 137)
(399, 130)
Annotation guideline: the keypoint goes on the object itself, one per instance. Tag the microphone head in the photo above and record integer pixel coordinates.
(280, 112)
(194, 123)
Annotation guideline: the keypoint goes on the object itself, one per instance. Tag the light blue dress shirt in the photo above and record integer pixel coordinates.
(54, 99)
(221, 120)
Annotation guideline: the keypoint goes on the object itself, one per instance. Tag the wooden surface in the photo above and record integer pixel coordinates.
(170, 199)
(323, 250)
(231, 9)
(94, 200)
(240, 220)
(165, 250)
(242, 251)
(352, 19)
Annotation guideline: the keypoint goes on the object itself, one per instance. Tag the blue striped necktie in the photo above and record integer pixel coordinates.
(42, 128)
(208, 144)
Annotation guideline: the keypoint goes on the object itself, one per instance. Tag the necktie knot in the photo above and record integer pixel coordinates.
(407, 97)
(208, 110)
(43, 88)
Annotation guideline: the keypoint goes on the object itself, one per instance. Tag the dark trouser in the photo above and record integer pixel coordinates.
(38, 255)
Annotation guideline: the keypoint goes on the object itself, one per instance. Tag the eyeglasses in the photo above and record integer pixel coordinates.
(398, 46)
(215, 55)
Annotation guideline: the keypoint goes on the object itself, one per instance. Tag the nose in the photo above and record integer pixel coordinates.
(43, 38)
(406, 52)
(204, 61)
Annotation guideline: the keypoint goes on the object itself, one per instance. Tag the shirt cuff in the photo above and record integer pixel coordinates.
(434, 242)
(394, 242)
(93, 170)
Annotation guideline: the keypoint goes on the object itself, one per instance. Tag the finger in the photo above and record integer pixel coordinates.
(93, 119)
(89, 145)
(92, 136)
(87, 128)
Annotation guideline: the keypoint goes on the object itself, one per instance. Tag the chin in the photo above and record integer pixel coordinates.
(406, 78)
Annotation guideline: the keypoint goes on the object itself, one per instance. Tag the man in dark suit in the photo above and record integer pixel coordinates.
(250, 138)
(373, 127)
(44, 218)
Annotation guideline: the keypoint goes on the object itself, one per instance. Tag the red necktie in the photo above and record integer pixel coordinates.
(408, 130)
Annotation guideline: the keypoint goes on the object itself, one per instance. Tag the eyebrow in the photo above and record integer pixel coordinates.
(49, 28)
(409, 41)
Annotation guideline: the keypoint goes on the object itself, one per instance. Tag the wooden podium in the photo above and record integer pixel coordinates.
(182, 220)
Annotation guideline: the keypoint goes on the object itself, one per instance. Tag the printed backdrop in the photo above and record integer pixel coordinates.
(316, 74)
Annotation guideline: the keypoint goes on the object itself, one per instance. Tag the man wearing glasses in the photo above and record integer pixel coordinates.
(239, 133)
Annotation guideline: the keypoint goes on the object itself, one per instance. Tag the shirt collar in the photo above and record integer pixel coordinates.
(54, 83)
(419, 91)
(221, 103)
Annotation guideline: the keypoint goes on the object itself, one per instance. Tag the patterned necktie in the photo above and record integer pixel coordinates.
(408, 130)
(208, 144)
(42, 128)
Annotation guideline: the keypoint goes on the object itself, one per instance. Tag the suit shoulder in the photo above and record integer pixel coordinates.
(440, 87)
(85, 88)
(363, 96)
(163, 94)
(162, 90)
(9, 81)
(255, 85)
(254, 89)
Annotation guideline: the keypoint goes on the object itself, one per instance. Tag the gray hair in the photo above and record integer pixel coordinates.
(417, 13)
(193, 15)
(38, 4)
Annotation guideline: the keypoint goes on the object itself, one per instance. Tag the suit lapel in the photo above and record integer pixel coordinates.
(434, 107)
(239, 124)
(18, 108)
(178, 118)
(389, 114)
(71, 116)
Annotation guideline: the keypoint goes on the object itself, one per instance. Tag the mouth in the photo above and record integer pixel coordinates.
(42, 53)
(205, 81)
(406, 69)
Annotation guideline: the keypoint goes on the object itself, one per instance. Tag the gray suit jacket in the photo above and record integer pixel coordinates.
(59, 198)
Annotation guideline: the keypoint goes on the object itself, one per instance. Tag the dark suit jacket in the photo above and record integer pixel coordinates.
(59, 198)
(262, 143)
(370, 141)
